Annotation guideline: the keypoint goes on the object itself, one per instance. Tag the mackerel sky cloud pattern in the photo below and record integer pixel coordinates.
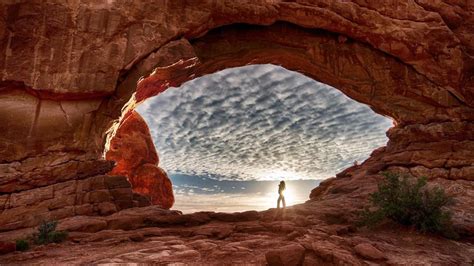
(260, 122)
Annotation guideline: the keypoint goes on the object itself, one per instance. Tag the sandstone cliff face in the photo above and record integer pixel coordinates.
(92, 196)
(134, 153)
(66, 78)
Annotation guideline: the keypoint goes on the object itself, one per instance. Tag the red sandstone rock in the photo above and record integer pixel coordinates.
(167, 234)
(98, 195)
(332, 254)
(321, 189)
(65, 78)
(154, 182)
(291, 255)
(7, 247)
(134, 153)
(132, 146)
(83, 224)
(411, 61)
(369, 252)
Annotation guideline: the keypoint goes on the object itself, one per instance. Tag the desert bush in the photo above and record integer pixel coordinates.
(47, 233)
(22, 245)
(58, 236)
(407, 201)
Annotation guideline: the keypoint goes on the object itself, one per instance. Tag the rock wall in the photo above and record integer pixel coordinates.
(432, 135)
(96, 195)
(65, 79)
(134, 153)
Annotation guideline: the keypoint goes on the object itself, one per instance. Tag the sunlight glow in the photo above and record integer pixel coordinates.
(290, 196)
(224, 202)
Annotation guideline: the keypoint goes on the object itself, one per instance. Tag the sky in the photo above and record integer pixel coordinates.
(227, 138)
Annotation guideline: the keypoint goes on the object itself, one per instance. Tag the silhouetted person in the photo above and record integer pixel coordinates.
(281, 188)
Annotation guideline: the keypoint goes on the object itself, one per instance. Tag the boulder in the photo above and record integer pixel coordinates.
(290, 255)
(368, 251)
(153, 182)
(332, 254)
(82, 224)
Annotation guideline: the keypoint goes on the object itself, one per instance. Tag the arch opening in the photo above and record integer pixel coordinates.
(369, 76)
(227, 138)
(361, 73)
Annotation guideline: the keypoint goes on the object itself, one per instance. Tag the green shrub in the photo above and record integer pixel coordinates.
(47, 233)
(22, 245)
(407, 201)
(57, 236)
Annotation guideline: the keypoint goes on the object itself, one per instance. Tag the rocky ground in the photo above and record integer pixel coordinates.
(320, 231)
(65, 79)
(313, 233)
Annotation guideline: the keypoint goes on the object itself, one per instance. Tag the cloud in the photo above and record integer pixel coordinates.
(260, 122)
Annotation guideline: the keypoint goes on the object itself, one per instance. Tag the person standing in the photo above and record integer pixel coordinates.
(281, 189)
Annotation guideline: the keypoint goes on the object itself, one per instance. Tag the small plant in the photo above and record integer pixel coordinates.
(22, 245)
(408, 202)
(58, 236)
(47, 233)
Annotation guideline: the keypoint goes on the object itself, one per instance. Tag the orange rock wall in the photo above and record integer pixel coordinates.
(91, 196)
(65, 78)
(134, 153)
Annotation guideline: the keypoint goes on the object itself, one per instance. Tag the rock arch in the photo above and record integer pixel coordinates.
(65, 79)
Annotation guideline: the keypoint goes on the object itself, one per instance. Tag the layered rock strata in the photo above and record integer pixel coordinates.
(92, 196)
(66, 79)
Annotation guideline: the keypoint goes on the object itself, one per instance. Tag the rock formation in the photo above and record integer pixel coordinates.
(65, 80)
(134, 153)
(309, 234)
(96, 195)
(69, 80)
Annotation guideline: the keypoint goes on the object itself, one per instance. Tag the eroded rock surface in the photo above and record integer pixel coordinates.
(65, 80)
(298, 236)
(134, 153)
(97, 195)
